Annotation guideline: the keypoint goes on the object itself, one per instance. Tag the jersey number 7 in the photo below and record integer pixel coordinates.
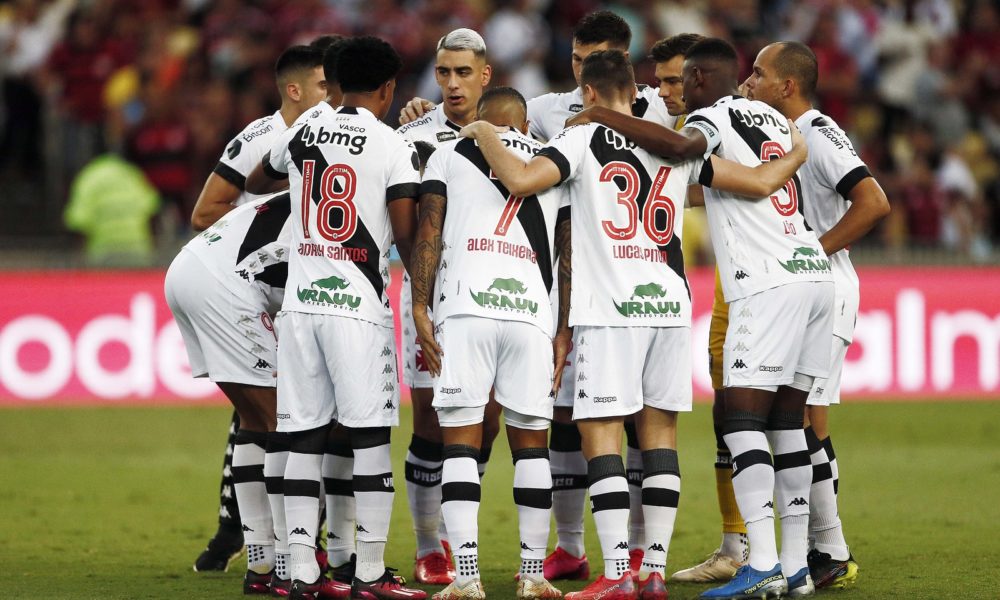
(334, 196)
(656, 201)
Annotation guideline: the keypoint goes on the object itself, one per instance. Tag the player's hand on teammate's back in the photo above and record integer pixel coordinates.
(561, 343)
(414, 109)
(428, 345)
(583, 117)
(476, 128)
(798, 142)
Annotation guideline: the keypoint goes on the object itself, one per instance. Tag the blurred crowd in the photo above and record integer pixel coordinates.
(165, 84)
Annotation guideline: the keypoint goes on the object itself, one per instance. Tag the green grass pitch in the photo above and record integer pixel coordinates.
(117, 502)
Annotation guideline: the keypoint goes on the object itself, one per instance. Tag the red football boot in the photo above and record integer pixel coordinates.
(622, 588)
(434, 569)
(653, 588)
(563, 565)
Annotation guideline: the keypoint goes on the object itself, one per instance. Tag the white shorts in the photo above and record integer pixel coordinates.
(229, 338)
(513, 358)
(335, 368)
(415, 373)
(774, 334)
(565, 397)
(621, 369)
(827, 391)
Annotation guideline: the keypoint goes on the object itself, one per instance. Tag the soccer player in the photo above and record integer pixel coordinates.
(845, 202)
(301, 84)
(773, 270)
(628, 299)
(223, 288)
(462, 72)
(489, 256)
(353, 182)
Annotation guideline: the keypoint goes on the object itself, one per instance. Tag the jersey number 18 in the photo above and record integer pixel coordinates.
(334, 196)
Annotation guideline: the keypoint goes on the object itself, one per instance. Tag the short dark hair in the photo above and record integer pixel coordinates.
(330, 54)
(502, 92)
(297, 58)
(675, 45)
(323, 42)
(603, 26)
(713, 49)
(608, 71)
(797, 61)
(365, 63)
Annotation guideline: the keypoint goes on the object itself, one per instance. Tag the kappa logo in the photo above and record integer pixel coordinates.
(583, 341)
(332, 536)
(387, 369)
(582, 377)
(298, 531)
(262, 364)
(622, 546)
(450, 391)
(743, 330)
(388, 387)
(605, 399)
(243, 274)
(657, 548)
(740, 276)
(769, 369)
(360, 528)
(388, 405)
(582, 394)
(768, 504)
(745, 313)
(469, 545)
(525, 546)
(386, 351)
(741, 347)
(739, 364)
(245, 528)
(581, 359)
(800, 501)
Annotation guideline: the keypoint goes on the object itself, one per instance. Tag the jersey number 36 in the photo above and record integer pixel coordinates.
(656, 201)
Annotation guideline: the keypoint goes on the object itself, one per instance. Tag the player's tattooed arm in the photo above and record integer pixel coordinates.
(424, 265)
(651, 137)
(563, 338)
(763, 180)
(519, 177)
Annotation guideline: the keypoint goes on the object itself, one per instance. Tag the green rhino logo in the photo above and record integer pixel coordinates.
(649, 290)
(331, 283)
(805, 251)
(507, 285)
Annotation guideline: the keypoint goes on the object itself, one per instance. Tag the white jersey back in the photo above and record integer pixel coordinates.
(498, 250)
(627, 217)
(344, 167)
(832, 171)
(434, 128)
(547, 113)
(245, 151)
(248, 246)
(765, 243)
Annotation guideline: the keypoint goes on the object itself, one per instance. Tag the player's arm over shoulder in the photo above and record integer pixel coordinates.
(519, 177)
(762, 180)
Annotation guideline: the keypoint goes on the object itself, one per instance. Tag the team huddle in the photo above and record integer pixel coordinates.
(545, 283)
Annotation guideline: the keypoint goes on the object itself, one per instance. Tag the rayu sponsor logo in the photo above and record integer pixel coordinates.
(319, 136)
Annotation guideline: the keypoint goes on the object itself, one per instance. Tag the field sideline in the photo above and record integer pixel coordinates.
(117, 502)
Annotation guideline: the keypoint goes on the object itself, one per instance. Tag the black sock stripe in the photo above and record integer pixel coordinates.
(369, 437)
(484, 454)
(792, 460)
(749, 459)
(565, 437)
(655, 496)
(275, 485)
(381, 482)
(340, 449)
(822, 472)
(533, 497)
(812, 442)
(828, 446)
(604, 466)
(312, 441)
(258, 438)
(609, 501)
(568, 482)
(461, 491)
(529, 454)
(425, 449)
(278, 442)
(248, 473)
(739, 420)
(301, 487)
(631, 436)
(460, 451)
(338, 487)
(660, 461)
(836, 486)
(422, 476)
(634, 476)
(784, 420)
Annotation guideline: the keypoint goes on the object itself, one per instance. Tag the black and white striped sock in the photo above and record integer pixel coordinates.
(753, 484)
(792, 479)
(338, 475)
(661, 491)
(373, 494)
(423, 490)
(275, 460)
(633, 473)
(609, 502)
(251, 494)
(303, 475)
(533, 498)
(569, 486)
(460, 496)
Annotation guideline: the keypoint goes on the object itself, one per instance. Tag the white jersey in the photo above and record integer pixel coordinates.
(498, 250)
(547, 114)
(765, 243)
(627, 218)
(322, 108)
(344, 167)
(434, 128)
(248, 246)
(245, 151)
(832, 171)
